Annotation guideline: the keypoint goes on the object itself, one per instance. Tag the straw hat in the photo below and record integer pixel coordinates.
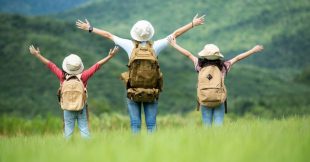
(211, 52)
(142, 31)
(73, 64)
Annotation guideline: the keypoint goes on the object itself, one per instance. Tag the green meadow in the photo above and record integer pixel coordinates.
(268, 93)
(238, 140)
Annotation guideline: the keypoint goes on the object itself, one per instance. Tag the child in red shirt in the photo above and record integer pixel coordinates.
(73, 65)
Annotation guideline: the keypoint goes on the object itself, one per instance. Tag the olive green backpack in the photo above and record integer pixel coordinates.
(143, 79)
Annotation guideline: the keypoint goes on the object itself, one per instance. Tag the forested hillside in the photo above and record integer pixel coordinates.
(282, 26)
(38, 7)
(269, 84)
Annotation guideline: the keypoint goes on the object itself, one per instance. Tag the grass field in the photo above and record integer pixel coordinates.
(238, 140)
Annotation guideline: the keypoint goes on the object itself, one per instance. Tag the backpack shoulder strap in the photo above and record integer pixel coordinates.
(150, 43)
(137, 47)
(151, 49)
(78, 77)
(134, 51)
(136, 43)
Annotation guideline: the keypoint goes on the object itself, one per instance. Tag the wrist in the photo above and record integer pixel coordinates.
(193, 24)
(90, 29)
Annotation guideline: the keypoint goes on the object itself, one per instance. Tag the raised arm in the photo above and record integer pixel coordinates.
(246, 54)
(36, 52)
(111, 54)
(87, 26)
(195, 22)
(183, 51)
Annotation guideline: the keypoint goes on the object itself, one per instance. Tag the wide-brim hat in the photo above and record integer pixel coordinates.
(73, 64)
(142, 31)
(211, 52)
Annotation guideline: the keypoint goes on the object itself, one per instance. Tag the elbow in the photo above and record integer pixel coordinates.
(109, 35)
(176, 34)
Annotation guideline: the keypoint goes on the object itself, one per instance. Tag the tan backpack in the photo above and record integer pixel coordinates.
(72, 93)
(211, 90)
(143, 78)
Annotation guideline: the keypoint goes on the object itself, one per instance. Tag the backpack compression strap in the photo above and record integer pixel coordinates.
(137, 47)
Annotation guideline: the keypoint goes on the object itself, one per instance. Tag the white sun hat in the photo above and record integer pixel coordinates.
(211, 52)
(73, 64)
(142, 31)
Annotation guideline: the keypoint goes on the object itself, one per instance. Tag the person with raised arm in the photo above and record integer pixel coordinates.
(212, 69)
(143, 80)
(73, 88)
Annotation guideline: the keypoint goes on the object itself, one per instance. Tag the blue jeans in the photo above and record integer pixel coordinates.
(208, 114)
(150, 112)
(81, 117)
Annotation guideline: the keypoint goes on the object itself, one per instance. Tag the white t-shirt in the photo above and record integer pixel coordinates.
(128, 44)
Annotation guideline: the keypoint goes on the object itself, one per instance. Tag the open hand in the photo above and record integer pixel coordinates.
(82, 25)
(258, 48)
(198, 20)
(172, 41)
(113, 51)
(34, 51)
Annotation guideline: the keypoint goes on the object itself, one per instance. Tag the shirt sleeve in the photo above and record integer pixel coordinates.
(57, 71)
(197, 67)
(228, 65)
(126, 44)
(160, 44)
(89, 73)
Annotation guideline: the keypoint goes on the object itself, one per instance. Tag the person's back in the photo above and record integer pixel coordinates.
(211, 90)
(142, 82)
(144, 76)
(72, 92)
(212, 69)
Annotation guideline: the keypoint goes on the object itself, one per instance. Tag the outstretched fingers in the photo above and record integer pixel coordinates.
(198, 20)
(115, 49)
(30, 48)
(202, 17)
(79, 21)
(80, 24)
(33, 50)
(195, 17)
(87, 21)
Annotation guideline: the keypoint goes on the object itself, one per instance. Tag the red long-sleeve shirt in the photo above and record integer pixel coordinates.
(86, 74)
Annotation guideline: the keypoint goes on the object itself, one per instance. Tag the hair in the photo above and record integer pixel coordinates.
(202, 62)
(65, 74)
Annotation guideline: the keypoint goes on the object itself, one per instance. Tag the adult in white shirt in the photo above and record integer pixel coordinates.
(142, 31)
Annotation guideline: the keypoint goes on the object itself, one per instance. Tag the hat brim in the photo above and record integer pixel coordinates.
(138, 38)
(210, 57)
(76, 72)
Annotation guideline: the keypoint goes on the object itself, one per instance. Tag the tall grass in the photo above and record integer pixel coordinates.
(17, 126)
(239, 140)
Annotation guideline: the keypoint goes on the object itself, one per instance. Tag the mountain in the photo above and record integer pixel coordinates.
(269, 84)
(235, 26)
(41, 7)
